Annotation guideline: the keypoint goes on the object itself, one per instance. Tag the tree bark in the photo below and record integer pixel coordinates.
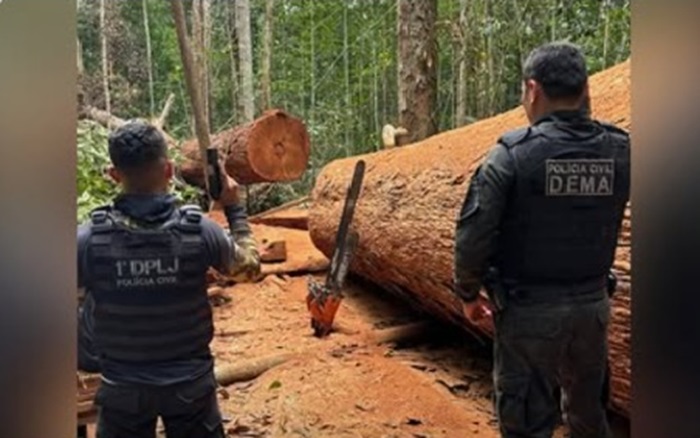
(105, 56)
(191, 75)
(233, 53)
(417, 69)
(410, 199)
(461, 107)
(265, 79)
(346, 74)
(149, 59)
(274, 147)
(79, 53)
(205, 12)
(199, 52)
(245, 48)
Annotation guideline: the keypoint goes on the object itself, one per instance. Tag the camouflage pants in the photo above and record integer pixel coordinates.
(541, 348)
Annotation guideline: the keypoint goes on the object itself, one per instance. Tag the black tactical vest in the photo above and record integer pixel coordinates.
(572, 182)
(149, 286)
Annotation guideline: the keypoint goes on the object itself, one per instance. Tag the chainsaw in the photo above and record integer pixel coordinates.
(324, 298)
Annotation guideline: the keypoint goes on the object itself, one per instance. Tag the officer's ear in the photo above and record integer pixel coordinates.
(169, 169)
(532, 91)
(115, 174)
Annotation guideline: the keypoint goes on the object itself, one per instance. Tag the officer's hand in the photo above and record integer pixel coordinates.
(479, 313)
(229, 189)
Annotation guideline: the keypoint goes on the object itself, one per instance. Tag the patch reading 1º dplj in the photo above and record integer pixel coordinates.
(580, 177)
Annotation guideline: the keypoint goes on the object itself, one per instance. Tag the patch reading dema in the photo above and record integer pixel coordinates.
(580, 177)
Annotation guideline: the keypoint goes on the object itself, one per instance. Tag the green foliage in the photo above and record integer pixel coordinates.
(309, 69)
(94, 187)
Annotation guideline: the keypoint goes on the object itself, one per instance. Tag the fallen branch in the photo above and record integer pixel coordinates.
(110, 121)
(280, 208)
(160, 121)
(228, 374)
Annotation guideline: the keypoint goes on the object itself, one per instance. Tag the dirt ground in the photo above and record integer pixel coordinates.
(436, 385)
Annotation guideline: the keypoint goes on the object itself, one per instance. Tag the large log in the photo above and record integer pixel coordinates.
(272, 148)
(411, 197)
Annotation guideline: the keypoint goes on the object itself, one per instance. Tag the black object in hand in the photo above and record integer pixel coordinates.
(214, 173)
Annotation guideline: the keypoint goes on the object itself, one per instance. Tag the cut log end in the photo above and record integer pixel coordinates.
(277, 148)
(273, 148)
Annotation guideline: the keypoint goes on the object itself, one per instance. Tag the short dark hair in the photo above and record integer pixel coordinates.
(559, 67)
(135, 145)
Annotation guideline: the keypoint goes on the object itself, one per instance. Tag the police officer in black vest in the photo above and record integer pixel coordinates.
(538, 229)
(146, 322)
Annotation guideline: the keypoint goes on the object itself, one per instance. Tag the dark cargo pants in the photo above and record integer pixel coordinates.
(188, 410)
(540, 348)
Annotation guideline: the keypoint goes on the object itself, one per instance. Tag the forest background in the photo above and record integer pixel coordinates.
(337, 65)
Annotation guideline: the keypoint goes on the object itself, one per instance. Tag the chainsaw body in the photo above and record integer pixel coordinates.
(324, 298)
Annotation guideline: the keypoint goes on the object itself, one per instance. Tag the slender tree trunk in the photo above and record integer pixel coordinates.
(200, 51)
(346, 72)
(518, 30)
(461, 91)
(235, 88)
(375, 85)
(105, 56)
(267, 56)
(245, 58)
(417, 69)
(191, 75)
(79, 53)
(149, 59)
(623, 44)
(490, 56)
(312, 61)
(205, 13)
(606, 30)
(553, 21)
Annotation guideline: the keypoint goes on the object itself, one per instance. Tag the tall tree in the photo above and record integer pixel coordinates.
(245, 49)
(461, 89)
(200, 49)
(417, 70)
(233, 53)
(149, 58)
(265, 80)
(346, 70)
(105, 56)
(191, 75)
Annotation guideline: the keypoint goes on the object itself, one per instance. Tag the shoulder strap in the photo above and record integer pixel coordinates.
(189, 218)
(512, 138)
(609, 127)
(102, 219)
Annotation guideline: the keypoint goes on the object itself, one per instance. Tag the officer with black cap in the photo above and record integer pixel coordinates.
(145, 322)
(538, 229)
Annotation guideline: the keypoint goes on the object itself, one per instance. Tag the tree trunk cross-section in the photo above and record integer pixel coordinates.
(410, 200)
(273, 148)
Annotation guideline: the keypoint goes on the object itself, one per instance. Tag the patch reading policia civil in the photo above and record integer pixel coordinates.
(580, 177)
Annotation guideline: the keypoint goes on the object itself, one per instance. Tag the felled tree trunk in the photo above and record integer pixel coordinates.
(274, 147)
(411, 197)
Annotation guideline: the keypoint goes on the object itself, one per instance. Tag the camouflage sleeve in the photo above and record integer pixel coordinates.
(479, 219)
(234, 254)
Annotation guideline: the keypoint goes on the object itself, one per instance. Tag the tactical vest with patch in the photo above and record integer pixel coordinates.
(149, 286)
(572, 182)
